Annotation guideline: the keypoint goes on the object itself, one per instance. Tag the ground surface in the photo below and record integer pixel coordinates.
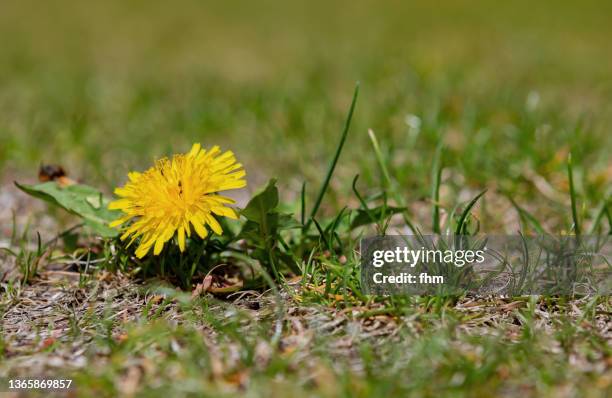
(507, 90)
(114, 334)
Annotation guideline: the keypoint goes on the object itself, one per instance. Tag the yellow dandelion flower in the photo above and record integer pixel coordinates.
(177, 195)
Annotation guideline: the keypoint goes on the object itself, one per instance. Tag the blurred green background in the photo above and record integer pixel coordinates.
(509, 87)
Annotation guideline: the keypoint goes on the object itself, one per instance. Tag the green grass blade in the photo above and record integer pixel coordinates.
(363, 203)
(527, 216)
(436, 176)
(388, 182)
(603, 211)
(573, 195)
(380, 159)
(322, 234)
(303, 202)
(334, 161)
(466, 212)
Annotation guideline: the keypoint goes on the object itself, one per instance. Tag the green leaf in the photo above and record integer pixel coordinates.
(287, 221)
(81, 200)
(262, 203)
(250, 231)
(363, 218)
(262, 228)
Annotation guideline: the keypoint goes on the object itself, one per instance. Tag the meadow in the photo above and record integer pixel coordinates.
(455, 97)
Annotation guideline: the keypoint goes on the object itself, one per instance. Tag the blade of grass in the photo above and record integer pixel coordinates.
(303, 201)
(525, 268)
(380, 159)
(322, 234)
(332, 165)
(436, 176)
(527, 216)
(603, 210)
(466, 212)
(572, 194)
(364, 205)
(397, 196)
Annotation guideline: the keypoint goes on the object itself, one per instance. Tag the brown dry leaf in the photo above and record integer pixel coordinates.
(156, 299)
(203, 287)
(226, 286)
(470, 304)
(104, 276)
(512, 306)
(294, 280)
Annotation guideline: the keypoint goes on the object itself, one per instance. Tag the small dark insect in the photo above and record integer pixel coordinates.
(53, 172)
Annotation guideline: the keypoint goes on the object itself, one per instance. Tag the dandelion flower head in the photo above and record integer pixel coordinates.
(176, 196)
